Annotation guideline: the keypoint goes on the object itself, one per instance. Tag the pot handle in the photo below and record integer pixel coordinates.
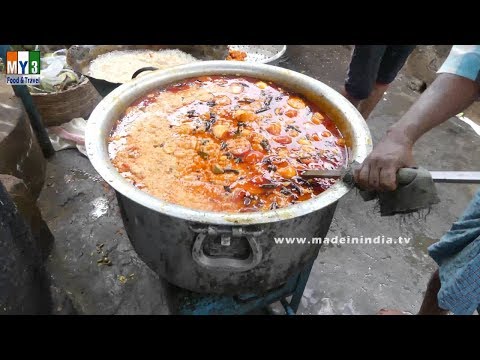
(227, 264)
(139, 71)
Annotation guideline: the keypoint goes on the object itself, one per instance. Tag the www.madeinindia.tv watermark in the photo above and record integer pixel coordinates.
(344, 240)
(22, 67)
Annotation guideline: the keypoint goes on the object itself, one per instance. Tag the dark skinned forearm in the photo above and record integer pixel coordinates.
(447, 96)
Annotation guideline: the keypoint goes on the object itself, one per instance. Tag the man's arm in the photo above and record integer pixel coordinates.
(448, 95)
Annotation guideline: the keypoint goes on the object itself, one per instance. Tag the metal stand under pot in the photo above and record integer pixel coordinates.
(186, 302)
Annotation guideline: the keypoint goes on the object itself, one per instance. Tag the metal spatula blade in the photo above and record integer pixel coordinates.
(404, 176)
(416, 190)
(458, 177)
(322, 174)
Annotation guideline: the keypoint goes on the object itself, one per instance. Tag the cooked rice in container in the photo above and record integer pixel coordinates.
(119, 66)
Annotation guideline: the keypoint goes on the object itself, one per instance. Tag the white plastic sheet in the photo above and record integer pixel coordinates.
(69, 135)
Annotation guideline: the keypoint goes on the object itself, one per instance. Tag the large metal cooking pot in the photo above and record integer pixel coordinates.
(215, 252)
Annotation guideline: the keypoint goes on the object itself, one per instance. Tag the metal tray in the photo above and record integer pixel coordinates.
(265, 54)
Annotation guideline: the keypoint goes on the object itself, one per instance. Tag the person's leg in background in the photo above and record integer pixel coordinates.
(455, 286)
(366, 106)
(363, 72)
(392, 62)
(430, 300)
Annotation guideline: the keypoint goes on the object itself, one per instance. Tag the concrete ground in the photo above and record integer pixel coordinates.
(94, 270)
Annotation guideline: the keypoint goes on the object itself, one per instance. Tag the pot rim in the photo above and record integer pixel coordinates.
(108, 111)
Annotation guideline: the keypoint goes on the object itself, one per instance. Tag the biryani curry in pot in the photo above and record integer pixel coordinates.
(226, 144)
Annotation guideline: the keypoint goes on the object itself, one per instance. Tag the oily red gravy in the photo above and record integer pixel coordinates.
(224, 143)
